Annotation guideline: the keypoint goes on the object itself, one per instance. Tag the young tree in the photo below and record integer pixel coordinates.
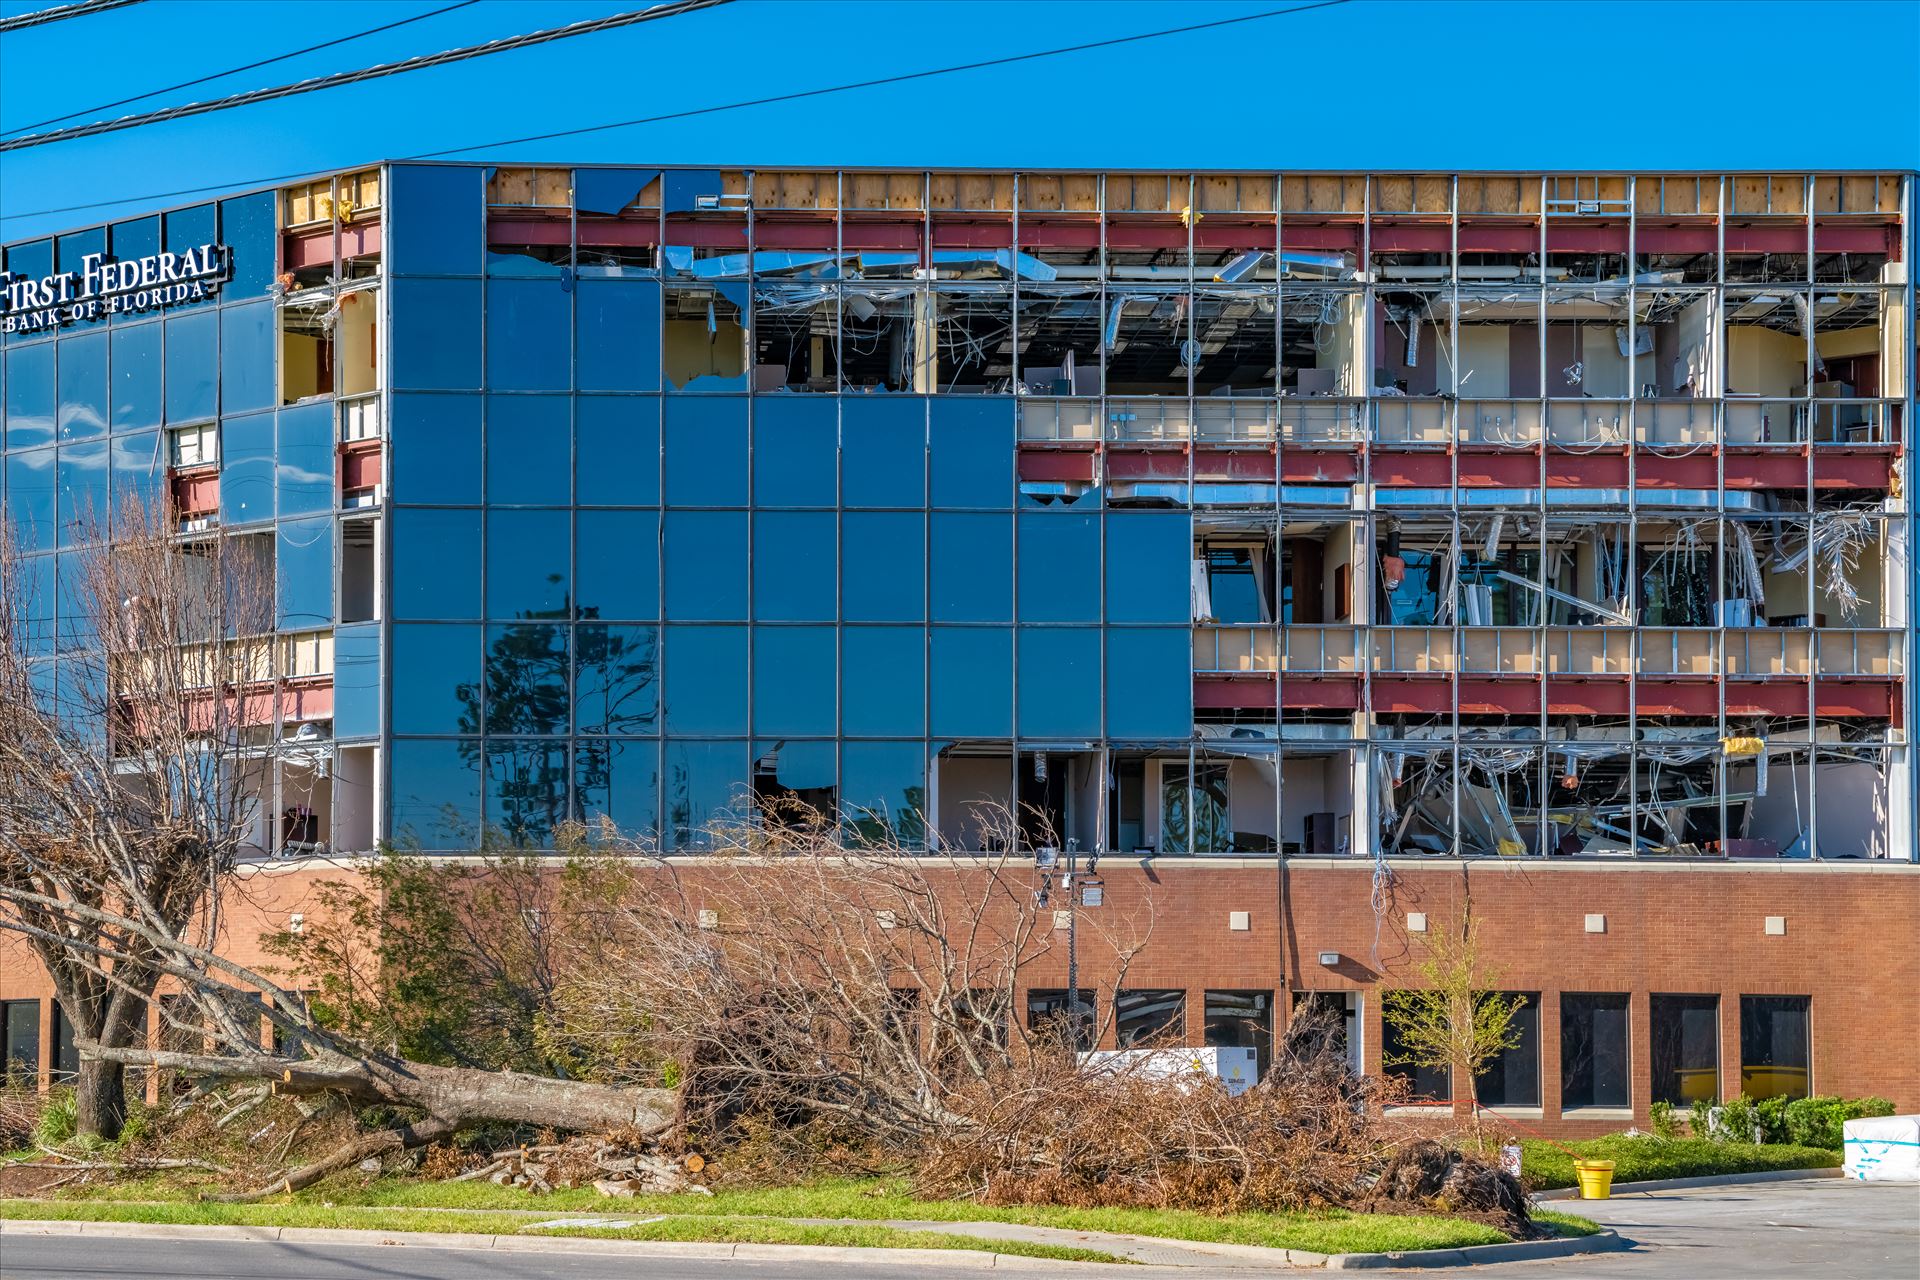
(132, 742)
(132, 732)
(1454, 1021)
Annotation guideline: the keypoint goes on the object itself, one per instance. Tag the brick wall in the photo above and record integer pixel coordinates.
(1682, 928)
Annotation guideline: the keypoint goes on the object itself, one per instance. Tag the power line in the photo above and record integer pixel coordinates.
(546, 36)
(234, 71)
(679, 115)
(61, 12)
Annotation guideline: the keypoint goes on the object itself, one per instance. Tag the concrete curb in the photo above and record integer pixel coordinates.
(1479, 1254)
(1682, 1184)
(1472, 1255)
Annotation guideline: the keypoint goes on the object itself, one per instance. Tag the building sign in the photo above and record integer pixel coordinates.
(106, 286)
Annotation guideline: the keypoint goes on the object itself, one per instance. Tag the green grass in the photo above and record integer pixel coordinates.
(1331, 1231)
(484, 1207)
(705, 1228)
(1566, 1224)
(1647, 1158)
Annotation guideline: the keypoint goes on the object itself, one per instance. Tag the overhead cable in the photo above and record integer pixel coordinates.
(61, 12)
(251, 66)
(242, 183)
(505, 44)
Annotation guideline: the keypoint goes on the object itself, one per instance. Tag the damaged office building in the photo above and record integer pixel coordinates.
(1315, 548)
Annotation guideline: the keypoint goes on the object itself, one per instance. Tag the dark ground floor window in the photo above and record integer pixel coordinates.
(1512, 1078)
(20, 1025)
(1685, 1049)
(1775, 1059)
(1048, 1013)
(1425, 1083)
(1593, 1050)
(1242, 1020)
(1150, 1017)
(66, 1056)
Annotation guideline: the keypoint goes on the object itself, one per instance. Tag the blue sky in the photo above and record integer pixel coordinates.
(1507, 84)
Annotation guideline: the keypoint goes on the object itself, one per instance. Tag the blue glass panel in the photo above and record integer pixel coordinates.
(609, 190)
(617, 451)
(706, 681)
(30, 504)
(85, 506)
(37, 603)
(527, 442)
(134, 239)
(246, 358)
(883, 685)
(139, 468)
(31, 395)
(434, 219)
(619, 782)
(1149, 566)
(883, 456)
(436, 335)
(970, 682)
(184, 230)
(795, 452)
(973, 450)
(528, 554)
(884, 566)
(794, 780)
(83, 386)
(616, 681)
(436, 794)
(703, 784)
(138, 359)
(75, 627)
(246, 228)
(436, 678)
(529, 327)
(527, 678)
(1059, 561)
(706, 563)
(707, 452)
(1059, 683)
(192, 358)
(246, 469)
(356, 681)
(436, 564)
(793, 681)
(793, 566)
(526, 790)
(303, 574)
(70, 254)
(617, 323)
(436, 448)
(618, 559)
(883, 792)
(303, 473)
(972, 568)
(190, 228)
(1149, 683)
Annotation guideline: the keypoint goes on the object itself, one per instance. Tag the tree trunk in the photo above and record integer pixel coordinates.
(100, 1099)
(454, 1095)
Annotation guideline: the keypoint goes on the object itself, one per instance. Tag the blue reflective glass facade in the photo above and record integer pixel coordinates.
(657, 496)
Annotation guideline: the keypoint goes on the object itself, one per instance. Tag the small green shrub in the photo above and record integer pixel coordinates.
(1772, 1115)
(1738, 1120)
(59, 1119)
(1820, 1121)
(1665, 1124)
(1700, 1117)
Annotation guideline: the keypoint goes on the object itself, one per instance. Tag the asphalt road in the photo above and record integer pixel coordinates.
(1766, 1231)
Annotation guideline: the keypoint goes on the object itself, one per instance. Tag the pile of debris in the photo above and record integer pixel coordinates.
(611, 1167)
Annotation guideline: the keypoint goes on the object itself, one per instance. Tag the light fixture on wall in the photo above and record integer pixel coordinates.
(1330, 959)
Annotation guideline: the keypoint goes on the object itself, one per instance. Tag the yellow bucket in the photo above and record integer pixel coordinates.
(1596, 1178)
